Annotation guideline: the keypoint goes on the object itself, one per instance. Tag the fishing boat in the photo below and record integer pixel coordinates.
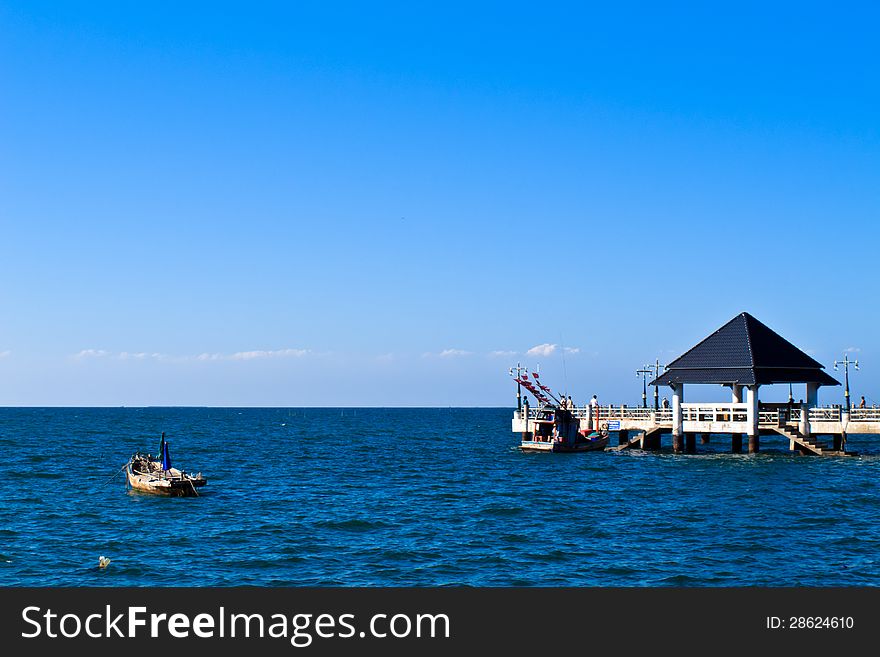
(556, 429)
(149, 474)
(555, 426)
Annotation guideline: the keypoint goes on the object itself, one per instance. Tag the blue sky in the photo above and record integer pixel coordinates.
(335, 204)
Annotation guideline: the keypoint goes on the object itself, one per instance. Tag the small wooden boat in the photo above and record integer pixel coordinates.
(148, 474)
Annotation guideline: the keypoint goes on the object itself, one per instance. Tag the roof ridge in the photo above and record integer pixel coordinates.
(711, 335)
(746, 317)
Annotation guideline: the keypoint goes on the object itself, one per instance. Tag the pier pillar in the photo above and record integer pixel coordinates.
(677, 436)
(704, 439)
(622, 437)
(677, 443)
(752, 411)
(736, 394)
(754, 444)
(736, 443)
(690, 443)
(812, 395)
(804, 424)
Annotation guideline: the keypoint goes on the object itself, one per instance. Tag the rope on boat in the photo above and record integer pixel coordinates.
(115, 474)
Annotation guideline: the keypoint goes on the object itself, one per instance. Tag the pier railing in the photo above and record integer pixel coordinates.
(719, 413)
(706, 417)
(864, 415)
(714, 412)
(825, 414)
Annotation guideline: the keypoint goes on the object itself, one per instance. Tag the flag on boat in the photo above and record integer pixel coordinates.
(166, 457)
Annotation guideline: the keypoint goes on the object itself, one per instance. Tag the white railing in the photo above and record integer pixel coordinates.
(824, 414)
(864, 415)
(714, 412)
(605, 413)
(768, 417)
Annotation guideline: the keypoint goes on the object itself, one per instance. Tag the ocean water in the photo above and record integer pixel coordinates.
(417, 497)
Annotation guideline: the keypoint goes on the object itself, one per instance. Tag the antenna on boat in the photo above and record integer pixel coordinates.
(564, 369)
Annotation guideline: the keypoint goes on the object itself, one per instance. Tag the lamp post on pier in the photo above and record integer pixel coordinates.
(846, 362)
(645, 371)
(517, 372)
(656, 367)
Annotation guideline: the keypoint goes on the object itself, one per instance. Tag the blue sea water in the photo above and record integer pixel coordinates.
(417, 497)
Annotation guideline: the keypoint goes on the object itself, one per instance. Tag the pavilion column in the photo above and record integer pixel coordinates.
(812, 402)
(736, 443)
(736, 394)
(677, 433)
(736, 439)
(752, 418)
(812, 395)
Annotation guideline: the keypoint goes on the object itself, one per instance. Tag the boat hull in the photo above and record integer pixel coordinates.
(594, 445)
(153, 485)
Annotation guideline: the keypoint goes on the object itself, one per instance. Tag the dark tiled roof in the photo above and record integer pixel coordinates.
(746, 352)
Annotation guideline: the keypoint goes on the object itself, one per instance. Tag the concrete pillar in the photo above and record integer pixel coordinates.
(736, 394)
(622, 437)
(752, 410)
(812, 395)
(690, 442)
(677, 443)
(752, 414)
(754, 444)
(837, 441)
(677, 434)
(736, 443)
(677, 399)
(704, 439)
(804, 426)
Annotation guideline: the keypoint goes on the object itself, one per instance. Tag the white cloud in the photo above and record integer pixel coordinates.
(91, 353)
(447, 353)
(500, 353)
(256, 354)
(452, 353)
(852, 350)
(545, 350)
(237, 356)
(572, 350)
(278, 353)
(125, 355)
(4, 354)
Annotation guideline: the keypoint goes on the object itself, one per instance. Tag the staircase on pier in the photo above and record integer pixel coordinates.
(808, 444)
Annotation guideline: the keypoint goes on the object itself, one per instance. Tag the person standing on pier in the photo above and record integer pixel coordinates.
(665, 403)
(862, 402)
(594, 406)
